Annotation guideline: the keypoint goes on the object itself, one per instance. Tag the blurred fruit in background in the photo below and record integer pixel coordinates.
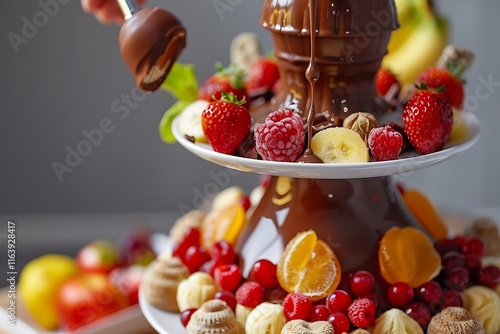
(419, 41)
(39, 283)
(135, 248)
(87, 298)
(99, 256)
(128, 279)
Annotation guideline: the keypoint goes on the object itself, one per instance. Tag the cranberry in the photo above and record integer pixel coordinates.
(458, 279)
(489, 276)
(472, 262)
(429, 292)
(444, 246)
(420, 313)
(223, 251)
(264, 273)
(250, 294)
(195, 257)
(228, 297)
(400, 294)
(338, 301)
(475, 246)
(228, 277)
(362, 282)
(297, 306)
(319, 313)
(186, 316)
(245, 203)
(452, 260)
(340, 322)
(461, 241)
(452, 298)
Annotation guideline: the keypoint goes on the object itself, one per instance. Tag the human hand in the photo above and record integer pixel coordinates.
(105, 11)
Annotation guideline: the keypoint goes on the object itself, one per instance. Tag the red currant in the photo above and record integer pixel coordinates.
(489, 276)
(452, 260)
(228, 297)
(319, 313)
(452, 298)
(420, 313)
(223, 251)
(186, 316)
(228, 277)
(297, 306)
(250, 294)
(472, 262)
(340, 322)
(362, 282)
(338, 301)
(400, 294)
(458, 279)
(475, 246)
(264, 273)
(195, 257)
(429, 292)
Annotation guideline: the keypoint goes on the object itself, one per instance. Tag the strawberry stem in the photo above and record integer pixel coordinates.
(235, 74)
(423, 86)
(231, 98)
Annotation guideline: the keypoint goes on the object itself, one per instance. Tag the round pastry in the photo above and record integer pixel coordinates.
(484, 305)
(161, 281)
(304, 327)
(455, 320)
(213, 316)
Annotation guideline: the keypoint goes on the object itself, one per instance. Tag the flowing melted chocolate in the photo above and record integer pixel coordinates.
(150, 42)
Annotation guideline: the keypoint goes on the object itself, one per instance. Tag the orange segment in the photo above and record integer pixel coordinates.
(425, 212)
(224, 224)
(309, 266)
(408, 255)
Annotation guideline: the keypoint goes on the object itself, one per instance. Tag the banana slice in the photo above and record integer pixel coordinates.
(195, 290)
(396, 321)
(266, 318)
(339, 145)
(190, 121)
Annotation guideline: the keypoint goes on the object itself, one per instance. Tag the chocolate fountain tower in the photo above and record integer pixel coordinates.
(349, 214)
(351, 40)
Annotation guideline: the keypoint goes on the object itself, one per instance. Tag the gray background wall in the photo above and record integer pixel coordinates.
(65, 79)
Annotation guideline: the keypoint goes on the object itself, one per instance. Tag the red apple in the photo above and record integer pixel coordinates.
(87, 298)
(100, 256)
(128, 281)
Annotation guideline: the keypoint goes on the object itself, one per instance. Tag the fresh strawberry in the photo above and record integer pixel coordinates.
(225, 123)
(427, 121)
(263, 75)
(384, 79)
(280, 137)
(229, 80)
(436, 77)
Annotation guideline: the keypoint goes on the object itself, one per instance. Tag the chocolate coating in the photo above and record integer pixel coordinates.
(150, 42)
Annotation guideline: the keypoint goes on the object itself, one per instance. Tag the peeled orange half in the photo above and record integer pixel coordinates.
(309, 266)
(408, 255)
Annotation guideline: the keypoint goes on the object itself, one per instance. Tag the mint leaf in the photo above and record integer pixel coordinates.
(165, 126)
(181, 82)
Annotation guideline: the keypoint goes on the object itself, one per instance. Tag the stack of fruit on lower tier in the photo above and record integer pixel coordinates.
(420, 286)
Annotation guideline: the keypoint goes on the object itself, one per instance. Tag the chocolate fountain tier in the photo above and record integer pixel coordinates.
(351, 40)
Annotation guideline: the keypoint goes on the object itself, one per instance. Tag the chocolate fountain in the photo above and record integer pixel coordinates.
(327, 69)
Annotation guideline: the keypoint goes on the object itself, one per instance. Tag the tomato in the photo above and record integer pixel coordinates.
(100, 256)
(87, 298)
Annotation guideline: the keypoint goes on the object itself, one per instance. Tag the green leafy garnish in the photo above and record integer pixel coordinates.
(165, 125)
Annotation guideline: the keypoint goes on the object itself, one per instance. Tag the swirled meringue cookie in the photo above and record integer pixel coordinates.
(456, 320)
(161, 281)
(484, 305)
(195, 290)
(265, 318)
(213, 316)
(304, 327)
(395, 321)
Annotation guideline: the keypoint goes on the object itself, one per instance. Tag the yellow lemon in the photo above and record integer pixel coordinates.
(39, 285)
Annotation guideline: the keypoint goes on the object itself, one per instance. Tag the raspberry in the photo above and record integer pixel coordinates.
(228, 276)
(385, 143)
(297, 306)
(250, 294)
(362, 312)
(280, 137)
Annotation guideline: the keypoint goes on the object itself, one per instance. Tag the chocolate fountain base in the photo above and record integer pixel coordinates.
(350, 215)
